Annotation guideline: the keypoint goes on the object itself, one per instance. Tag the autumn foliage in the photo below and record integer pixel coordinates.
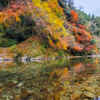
(50, 22)
(74, 16)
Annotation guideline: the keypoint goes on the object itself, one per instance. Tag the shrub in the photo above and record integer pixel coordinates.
(7, 42)
(16, 32)
(21, 30)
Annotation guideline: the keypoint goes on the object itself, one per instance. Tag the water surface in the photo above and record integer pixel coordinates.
(60, 79)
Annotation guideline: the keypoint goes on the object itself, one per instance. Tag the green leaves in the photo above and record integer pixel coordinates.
(7, 42)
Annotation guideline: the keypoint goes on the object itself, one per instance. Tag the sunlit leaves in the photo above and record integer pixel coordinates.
(51, 22)
(37, 2)
(56, 24)
(2, 15)
(18, 19)
(74, 16)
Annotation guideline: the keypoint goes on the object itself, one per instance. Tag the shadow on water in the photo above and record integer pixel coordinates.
(73, 79)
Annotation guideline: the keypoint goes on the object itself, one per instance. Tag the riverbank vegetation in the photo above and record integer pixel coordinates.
(59, 26)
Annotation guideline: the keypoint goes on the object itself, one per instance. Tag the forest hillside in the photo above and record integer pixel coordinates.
(52, 23)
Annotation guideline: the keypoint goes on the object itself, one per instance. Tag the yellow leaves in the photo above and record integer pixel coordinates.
(36, 3)
(56, 35)
(1, 17)
(64, 32)
(65, 46)
(45, 5)
(61, 44)
(58, 44)
(97, 61)
(49, 10)
(58, 22)
(18, 19)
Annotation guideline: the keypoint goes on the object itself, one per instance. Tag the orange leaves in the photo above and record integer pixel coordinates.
(74, 29)
(74, 16)
(61, 74)
(81, 35)
(9, 11)
(78, 47)
(61, 44)
(58, 44)
(87, 34)
(2, 15)
(17, 18)
(79, 67)
(14, 11)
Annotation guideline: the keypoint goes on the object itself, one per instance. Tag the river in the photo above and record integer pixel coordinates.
(55, 79)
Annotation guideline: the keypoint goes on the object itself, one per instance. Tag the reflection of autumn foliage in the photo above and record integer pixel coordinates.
(79, 67)
(57, 77)
(60, 79)
(84, 67)
(61, 74)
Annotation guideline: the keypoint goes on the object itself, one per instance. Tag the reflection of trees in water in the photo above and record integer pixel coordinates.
(85, 66)
(50, 83)
(83, 70)
(62, 80)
